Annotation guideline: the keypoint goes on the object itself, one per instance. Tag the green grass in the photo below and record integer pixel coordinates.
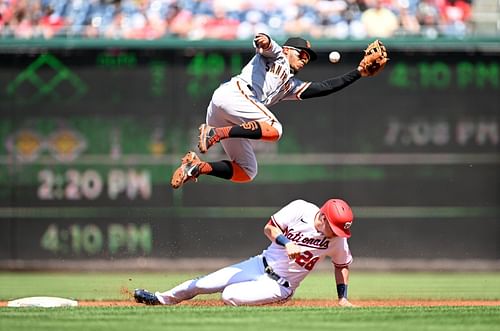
(96, 286)
(319, 285)
(251, 318)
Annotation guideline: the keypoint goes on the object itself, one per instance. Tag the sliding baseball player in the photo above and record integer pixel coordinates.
(301, 235)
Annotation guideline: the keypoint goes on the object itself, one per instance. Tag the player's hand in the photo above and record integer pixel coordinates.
(293, 250)
(343, 302)
(262, 41)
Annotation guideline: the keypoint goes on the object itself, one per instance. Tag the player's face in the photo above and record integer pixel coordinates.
(321, 224)
(298, 58)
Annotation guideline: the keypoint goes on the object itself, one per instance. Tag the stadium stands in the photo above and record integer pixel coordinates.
(241, 19)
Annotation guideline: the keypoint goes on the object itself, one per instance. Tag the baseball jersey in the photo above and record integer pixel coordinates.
(271, 77)
(296, 221)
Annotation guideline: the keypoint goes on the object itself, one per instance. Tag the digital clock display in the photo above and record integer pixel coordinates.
(464, 75)
(91, 240)
(90, 137)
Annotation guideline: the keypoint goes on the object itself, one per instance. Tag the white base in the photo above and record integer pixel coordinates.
(44, 302)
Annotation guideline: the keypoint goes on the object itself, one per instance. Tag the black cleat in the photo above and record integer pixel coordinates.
(146, 297)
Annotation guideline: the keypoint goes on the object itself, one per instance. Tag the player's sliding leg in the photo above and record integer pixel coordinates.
(192, 167)
(242, 283)
(262, 291)
(242, 289)
(258, 130)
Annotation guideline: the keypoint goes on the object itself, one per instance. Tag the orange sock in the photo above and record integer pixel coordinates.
(269, 132)
(239, 175)
(250, 130)
(205, 168)
(223, 132)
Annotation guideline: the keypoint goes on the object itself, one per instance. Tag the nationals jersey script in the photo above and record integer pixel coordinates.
(296, 221)
(271, 78)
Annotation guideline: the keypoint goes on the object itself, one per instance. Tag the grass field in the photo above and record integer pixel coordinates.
(363, 286)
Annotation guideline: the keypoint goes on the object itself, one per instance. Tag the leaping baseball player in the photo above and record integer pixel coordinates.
(239, 108)
(301, 235)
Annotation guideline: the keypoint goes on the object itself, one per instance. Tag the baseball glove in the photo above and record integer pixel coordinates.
(374, 60)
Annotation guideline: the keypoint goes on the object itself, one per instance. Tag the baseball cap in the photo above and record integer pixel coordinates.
(339, 215)
(301, 43)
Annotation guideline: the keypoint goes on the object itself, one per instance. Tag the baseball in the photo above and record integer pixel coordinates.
(334, 57)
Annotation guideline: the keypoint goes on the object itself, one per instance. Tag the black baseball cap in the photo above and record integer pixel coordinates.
(301, 43)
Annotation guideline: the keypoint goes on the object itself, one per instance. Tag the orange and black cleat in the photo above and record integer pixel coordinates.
(207, 137)
(188, 170)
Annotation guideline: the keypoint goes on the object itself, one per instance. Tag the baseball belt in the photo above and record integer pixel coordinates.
(274, 276)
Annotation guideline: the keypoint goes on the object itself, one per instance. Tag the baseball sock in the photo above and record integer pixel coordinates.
(239, 174)
(249, 130)
(225, 169)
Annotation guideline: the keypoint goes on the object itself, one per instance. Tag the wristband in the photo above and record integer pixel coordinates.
(282, 240)
(342, 291)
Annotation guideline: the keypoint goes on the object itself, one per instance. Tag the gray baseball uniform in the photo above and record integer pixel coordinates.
(264, 81)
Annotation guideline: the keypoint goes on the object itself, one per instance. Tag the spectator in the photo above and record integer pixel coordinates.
(51, 23)
(181, 23)
(76, 17)
(409, 24)
(233, 19)
(428, 17)
(379, 21)
(220, 26)
(455, 14)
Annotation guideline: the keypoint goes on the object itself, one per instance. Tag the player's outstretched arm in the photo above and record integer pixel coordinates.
(331, 85)
(373, 62)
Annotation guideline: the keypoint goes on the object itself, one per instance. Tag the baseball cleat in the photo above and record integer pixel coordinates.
(207, 137)
(188, 170)
(146, 297)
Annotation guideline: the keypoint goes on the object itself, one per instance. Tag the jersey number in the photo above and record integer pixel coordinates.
(307, 260)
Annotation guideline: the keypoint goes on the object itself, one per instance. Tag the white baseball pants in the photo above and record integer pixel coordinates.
(244, 283)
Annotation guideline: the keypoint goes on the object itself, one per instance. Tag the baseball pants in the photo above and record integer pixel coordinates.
(244, 283)
(233, 103)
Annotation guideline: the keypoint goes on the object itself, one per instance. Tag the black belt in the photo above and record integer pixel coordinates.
(270, 272)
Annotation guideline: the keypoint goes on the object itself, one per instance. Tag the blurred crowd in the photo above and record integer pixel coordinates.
(233, 19)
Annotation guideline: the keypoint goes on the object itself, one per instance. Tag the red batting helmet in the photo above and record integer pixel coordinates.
(339, 215)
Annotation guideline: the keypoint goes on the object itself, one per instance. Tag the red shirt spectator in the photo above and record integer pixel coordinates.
(455, 10)
(51, 23)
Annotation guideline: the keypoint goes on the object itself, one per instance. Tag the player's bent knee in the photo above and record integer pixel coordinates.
(279, 129)
(271, 132)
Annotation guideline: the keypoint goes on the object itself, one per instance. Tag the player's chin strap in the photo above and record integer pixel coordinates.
(270, 272)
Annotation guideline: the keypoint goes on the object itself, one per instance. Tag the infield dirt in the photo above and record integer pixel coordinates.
(308, 303)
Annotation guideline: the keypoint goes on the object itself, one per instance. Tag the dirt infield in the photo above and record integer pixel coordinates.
(309, 303)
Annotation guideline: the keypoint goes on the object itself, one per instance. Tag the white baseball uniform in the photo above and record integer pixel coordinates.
(247, 283)
(264, 81)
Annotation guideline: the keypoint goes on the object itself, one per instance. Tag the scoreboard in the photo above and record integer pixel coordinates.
(90, 137)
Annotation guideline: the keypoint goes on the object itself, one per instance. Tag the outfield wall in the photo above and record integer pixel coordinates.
(92, 130)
